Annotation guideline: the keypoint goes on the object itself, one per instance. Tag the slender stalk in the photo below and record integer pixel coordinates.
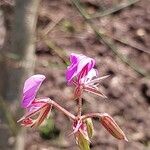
(92, 115)
(66, 112)
(113, 9)
(79, 106)
(58, 51)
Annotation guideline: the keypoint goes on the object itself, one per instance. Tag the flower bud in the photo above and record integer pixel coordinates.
(81, 134)
(90, 128)
(112, 127)
(82, 142)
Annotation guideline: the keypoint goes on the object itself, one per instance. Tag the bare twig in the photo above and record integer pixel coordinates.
(79, 106)
(58, 51)
(133, 45)
(114, 9)
(50, 26)
(108, 43)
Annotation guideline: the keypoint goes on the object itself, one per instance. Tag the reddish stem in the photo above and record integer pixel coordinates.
(79, 106)
(67, 113)
(92, 115)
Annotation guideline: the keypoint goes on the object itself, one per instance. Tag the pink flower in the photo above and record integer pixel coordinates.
(80, 66)
(34, 107)
(31, 86)
(82, 74)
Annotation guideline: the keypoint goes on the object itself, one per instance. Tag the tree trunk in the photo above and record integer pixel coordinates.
(17, 57)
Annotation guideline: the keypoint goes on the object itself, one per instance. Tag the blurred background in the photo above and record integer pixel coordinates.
(37, 36)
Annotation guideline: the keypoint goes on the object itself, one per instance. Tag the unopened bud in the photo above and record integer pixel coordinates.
(90, 128)
(112, 127)
(81, 135)
(82, 142)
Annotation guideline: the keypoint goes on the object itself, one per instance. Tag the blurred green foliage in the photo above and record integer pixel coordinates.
(67, 26)
(49, 130)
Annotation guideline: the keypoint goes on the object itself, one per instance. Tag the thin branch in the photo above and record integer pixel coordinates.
(113, 9)
(129, 44)
(79, 106)
(108, 43)
(92, 115)
(132, 65)
(58, 51)
(50, 26)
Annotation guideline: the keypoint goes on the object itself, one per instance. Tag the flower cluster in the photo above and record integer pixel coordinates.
(82, 74)
(84, 77)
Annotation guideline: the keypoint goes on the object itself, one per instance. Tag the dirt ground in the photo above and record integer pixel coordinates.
(128, 92)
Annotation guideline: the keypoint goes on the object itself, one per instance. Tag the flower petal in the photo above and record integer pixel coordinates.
(31, 87)
(78, 62)
(71, 70)
(86, 61)
(91, 75)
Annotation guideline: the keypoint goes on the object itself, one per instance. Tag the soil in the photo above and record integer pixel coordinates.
(128, 93)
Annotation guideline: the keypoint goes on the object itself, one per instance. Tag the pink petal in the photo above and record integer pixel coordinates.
(91, 74)
(78, 62)
(71, 70)
(82, 74)
(86, 61)
(31, 87)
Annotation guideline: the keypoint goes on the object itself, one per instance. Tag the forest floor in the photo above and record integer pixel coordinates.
(128, 92)
(62, 30)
